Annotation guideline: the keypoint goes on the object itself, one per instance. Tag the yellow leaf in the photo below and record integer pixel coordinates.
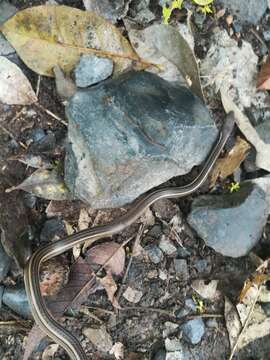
(48, 35)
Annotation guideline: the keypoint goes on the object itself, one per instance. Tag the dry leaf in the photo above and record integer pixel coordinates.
(231, 161)
(110, 287)
(15, 88)
(68, 210)
(46, 184)
(263, 149)
(111, 252)
(35, 161)
(100, 338)
(206, 290)
(232, 320)
(164, 45)
(263, 77)
(49, 35)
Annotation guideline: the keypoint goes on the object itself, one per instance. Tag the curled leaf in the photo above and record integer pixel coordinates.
(46, 184)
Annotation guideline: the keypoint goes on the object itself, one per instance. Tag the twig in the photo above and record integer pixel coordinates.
(47, 111)
(38, 85)
(12, 136)
(100, 309)
(142, 308)
(136, 243)
(245, 324)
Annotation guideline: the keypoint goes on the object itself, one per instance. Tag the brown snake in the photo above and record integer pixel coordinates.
(31, 272)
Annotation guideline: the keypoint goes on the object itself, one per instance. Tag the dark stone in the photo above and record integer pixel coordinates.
(231, 223)
(16, 299)
(154, 253)
(130, 134)
(53, 229)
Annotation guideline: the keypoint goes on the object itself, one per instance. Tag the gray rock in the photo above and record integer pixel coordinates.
(175, 355)
(263, 130)
(4, 263)
(231, 223)
(247, 11)
(181, 269)
(167, 246)
(173, 344)
(112, 10)
(140, 12)
(194, 330)
(130, 134)
(189, 307)
(266, 35)
(160, 355)
(154, 253)
(16, 299)
(201, 265)
(170, 328)
(6, 11)
(5, 47)
(92, 69)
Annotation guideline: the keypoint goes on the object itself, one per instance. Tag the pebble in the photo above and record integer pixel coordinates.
(170, 328)
(92, 69)
(173, 344)
(100, 338)
(201, 265)
(16, 299)
(181, 269)
(53, 229)
(193, 330)
(167, 246)
(189, 307)
(162, 275)
(132, 295)
(154, 253)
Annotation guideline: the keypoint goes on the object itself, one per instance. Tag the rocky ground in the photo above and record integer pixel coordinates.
(191, 279)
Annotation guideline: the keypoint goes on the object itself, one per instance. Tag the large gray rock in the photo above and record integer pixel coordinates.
(130, 134)
(248, 10)
(231, 223)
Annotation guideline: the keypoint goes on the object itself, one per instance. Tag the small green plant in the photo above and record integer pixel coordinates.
(234, 186)
(200, 307)
(177, 4)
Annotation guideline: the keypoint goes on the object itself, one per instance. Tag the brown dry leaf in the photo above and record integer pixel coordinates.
(80, 285)
(15, 88)
(232, 160)
(46, 184)
(110, 287)
(263, 77)
(110, 253)
(49, 35)
(68, 210)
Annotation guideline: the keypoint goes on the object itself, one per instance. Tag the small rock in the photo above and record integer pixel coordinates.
(153, 274)
(183, 252)
(162, 275)
(176, 355)
(247, 11)
(266, 35)
(45, 145)
(212, 323)
(206, 290)
(173, 344)
(100, 338)
(231, 223)
(37, 134)
(130, 134)
(155, 231)
(160, 355)
(111, 10)
(132, 295)
(53, 229)
(167, 246)
(194, 330)
(201, 265)
(165, 209)
(29, 200)
(140, 12)
(154, 253)
(170, 328)
(16, 299)
(5, 47)
(181, 269)
(92, 69)
(189, 307)
(5, 261)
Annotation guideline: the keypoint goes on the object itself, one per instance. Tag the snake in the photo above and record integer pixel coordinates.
(41, 314)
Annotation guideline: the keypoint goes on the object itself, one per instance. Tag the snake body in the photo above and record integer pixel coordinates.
(31, 272)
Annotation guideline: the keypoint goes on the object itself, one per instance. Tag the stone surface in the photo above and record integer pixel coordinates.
(16, 299)
(100, 338)
(231, 223)
(247, 11)
(4, 263)
(92, 69)
(193, 330)
(173, 344)
(5, 47)
(112, 10)
(170, 328)
(154, 253)
(167, 246)
(6, 11)
(130, 134)
(181, 269)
